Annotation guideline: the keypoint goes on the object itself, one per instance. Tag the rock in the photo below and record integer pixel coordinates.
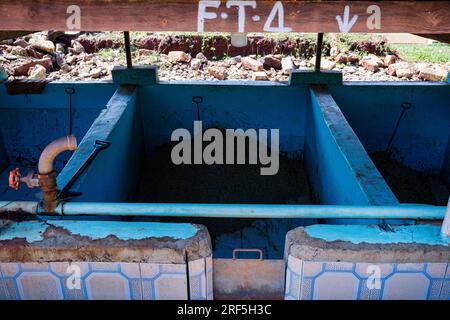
(341, 58)
(77, 47)
(389, 59)
(53, 35)
(434, 73)
(42, 45)
(3, 74)
(21, 43)
(37, 72)
(353, 57)
(401, 69)
(196, 64)
(260, 76)
(22, 70)
(271, 61)
(60, 48)
(218, 73)
(66, 68)
(252, 64)
(374, 59)
(334, 52)
(325, 64)
(201, 57)
(287, 65)
(350, 69)
(179, 56)
(370, 64)
(19, 51)
(71, 59)
(33, 53)
(95, 73)
(406, 73)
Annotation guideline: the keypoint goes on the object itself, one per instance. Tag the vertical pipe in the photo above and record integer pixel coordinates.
(126, 35)
(445, 231)
(319, 50)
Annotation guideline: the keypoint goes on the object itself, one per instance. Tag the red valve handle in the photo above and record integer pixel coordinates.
(14, 178)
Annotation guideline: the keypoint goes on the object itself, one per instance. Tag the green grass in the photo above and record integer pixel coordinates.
(431, 53)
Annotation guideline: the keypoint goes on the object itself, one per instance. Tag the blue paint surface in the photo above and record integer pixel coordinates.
(424, 132)
(420, 234)
(30, 230)
(33, 230)
(128, 230)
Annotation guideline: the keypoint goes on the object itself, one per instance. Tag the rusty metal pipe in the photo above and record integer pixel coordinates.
(48, 156)
(47, 175)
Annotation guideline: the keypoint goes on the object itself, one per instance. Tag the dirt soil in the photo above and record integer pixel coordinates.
(408, 185)
(162, 181)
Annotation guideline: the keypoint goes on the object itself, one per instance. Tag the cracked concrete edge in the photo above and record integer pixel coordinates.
(302, 246)
(59, 245)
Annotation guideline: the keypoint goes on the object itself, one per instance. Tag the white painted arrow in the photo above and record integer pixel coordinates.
(345, 26)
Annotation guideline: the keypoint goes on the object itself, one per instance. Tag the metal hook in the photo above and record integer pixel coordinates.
(197, 100)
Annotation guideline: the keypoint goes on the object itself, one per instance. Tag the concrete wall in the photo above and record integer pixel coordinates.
(373, 110)
(82, 260)
(112, 175)
(4, 160)
(236, 104)
(339, 169)
(366, 263)
(30, 122)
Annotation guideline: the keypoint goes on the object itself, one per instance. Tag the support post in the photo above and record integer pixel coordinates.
(126, 35)
(319, 51)
(445, 231)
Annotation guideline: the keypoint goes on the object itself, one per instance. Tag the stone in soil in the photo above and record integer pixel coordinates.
(272, 62)
(260, 76)
(22, 70)
(196, 64)
(179, 56)
(252, 64)
(218, 73)
(37, 72)
(433, 74)
(43, 45)
(325, 64)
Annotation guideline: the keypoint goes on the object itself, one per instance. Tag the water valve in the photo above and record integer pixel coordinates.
(15, 179)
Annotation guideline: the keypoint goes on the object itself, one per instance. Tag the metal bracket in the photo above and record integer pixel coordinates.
(248, 250)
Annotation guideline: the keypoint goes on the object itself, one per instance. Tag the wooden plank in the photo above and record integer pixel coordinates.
(438, 37)
(429, 17)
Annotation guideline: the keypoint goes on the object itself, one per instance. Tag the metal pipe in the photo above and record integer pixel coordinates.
(48, 156)
(319, 51)
(422, 212)
(445, 230)
(126, 36)
(47, 176)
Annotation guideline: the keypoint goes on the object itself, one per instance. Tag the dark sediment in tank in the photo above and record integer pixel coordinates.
(409, 185)
(164, 182)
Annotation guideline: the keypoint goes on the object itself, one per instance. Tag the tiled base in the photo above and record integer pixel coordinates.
(105, 281)
(311, 280)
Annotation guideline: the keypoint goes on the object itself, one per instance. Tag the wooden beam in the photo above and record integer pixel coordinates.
(421, 16)
(438, 37)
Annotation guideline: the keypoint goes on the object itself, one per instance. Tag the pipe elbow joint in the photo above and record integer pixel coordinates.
(48, 156)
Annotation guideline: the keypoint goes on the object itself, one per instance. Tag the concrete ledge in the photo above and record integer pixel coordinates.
(368, 244)
(307, 77)
(141, 75)
(103, 241)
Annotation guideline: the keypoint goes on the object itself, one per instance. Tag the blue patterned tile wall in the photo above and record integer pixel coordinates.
(105, 281)
(311, 280)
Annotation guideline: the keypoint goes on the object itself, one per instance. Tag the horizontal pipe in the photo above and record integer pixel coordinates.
(406, 211)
